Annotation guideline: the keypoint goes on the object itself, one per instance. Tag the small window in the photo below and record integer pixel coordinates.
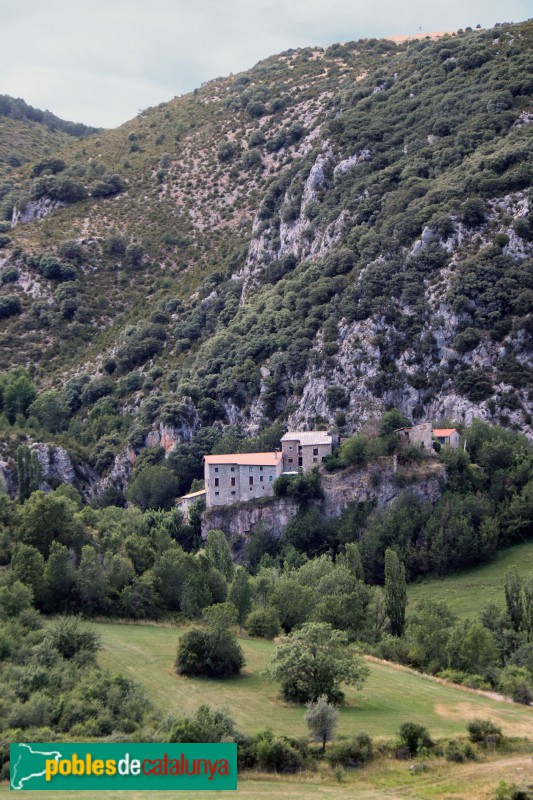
(251, 480)
(216, 469)
(290, 447)
(270, 477)
(251, 469)
(290, 460)
(217, 493)
(261, 478)
(315, 460)
(260, 469)
(233, 492)
(233, 483)
(315, 451)
(233, 469)
(216, 481)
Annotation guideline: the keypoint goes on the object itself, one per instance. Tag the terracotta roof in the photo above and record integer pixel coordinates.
(308, 437)
(443, 431)
(247, 459)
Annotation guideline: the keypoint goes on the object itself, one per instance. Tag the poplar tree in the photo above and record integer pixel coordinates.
(395, 592)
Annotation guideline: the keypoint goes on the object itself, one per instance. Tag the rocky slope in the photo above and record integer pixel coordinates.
(335, 232)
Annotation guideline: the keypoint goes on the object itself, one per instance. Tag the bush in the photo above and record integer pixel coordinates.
(483, 731)
(458, 752)
(214, 653)
(354, 754)
(207, 725)
(277, 755)
(414, 737)
(9, 306)
(263, 622)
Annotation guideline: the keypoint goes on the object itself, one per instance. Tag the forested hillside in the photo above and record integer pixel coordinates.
(333, 233)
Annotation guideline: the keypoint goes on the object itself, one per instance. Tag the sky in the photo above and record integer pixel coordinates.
(101, 62)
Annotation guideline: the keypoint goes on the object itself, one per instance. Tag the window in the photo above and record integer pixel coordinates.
(233, 492)
(216, 469)
(233, 469)
(315, 451)
(233, 483)
(217, 493)
(261, 478)
(315, 460)
(216, 481)
(290, 460)
(300, 462)
(251, 469)
(290, 447)
(260, 469)
(270, 477)
(251, 480)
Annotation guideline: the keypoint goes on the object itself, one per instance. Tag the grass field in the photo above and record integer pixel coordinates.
(383, 780)
(467, 592)
(146, 653)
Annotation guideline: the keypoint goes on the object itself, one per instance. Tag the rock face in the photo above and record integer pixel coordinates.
(59, 467)
(379, 482)
(36, 209)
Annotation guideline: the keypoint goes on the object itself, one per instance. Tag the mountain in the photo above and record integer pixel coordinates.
(332, 233)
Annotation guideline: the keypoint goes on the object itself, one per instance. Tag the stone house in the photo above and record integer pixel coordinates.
(424, 436)
(184, 503)
(420, 435)
(305, 449)
(238, 477)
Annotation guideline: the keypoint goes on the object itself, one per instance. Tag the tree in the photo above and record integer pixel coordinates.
(513, 598)
(428, 632)
(395, 592)
(219, 553)
(27, 566)
(28, 471)
(60, 576)
(220, 615)
(214, 653)
(51, 412)
(19, 394)
(153, 487)
(207, 725)
(91, 581)
(353, 561)
(240, 594)
(472, 648)
(322, 718)
(313, 661)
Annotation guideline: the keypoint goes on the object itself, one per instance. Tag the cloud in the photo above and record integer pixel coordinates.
(100, 62)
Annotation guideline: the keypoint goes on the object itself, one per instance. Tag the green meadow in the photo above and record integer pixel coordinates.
(467, 592)
(391, 696)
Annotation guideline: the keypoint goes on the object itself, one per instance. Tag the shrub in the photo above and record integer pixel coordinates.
(354, 753)
(278, 755)
(214, 653)
(263, 622)
(458, 752)
(207, 725)
(226, 151)
(414, 737)
(483, 731)
(9, 306)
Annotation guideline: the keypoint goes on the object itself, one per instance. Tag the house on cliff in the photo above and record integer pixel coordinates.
(305, 449)
(238, 477)
(424, 435)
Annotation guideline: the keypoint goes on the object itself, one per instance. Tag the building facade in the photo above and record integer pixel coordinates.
(184, 503)
(238, 477)
(306, 449)
(448, 437)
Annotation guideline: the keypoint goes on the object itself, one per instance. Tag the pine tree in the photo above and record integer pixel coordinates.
(395, 592)
(513, 598)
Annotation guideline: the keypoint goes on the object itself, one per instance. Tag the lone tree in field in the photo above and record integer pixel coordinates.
(395, 592)
(322, 718)
(313, 661)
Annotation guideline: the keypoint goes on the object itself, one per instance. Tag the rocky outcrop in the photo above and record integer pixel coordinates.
(380, 482)
(35, 209)
(58, 467)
